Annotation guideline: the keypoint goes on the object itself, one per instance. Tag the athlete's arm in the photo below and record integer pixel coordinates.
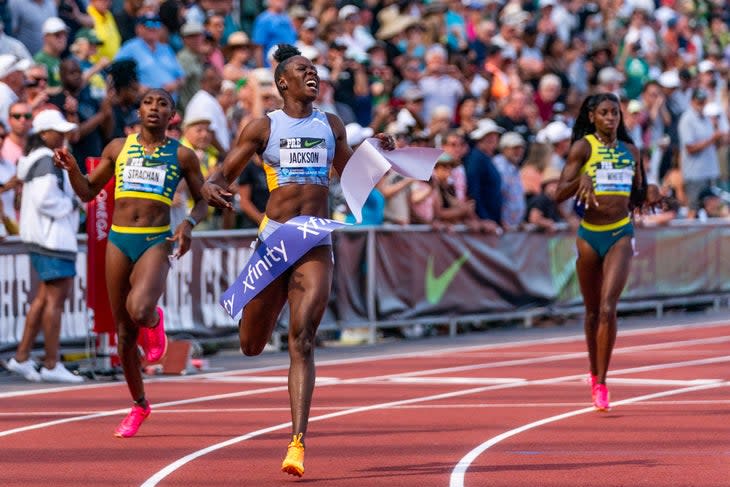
(87, 187)
(343, 151)
(572, 182)
(253, 139)
(194, 178)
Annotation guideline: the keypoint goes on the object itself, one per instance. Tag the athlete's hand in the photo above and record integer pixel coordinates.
(216, 196)
(183, 238)
(64, 159)
(387, 141)
(585, 195)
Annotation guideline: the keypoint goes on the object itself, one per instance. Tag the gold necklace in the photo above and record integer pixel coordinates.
(610, 145)
(154, 147)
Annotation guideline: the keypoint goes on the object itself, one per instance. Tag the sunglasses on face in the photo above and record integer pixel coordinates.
(18, 116)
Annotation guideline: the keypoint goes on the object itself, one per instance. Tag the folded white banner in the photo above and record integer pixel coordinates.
(369, 164)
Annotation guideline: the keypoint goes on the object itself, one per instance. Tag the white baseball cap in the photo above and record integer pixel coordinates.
(348, 10)
(52, 120)
(485, 126)
(53, 25)
(9, 63)
(705, 66)
(669, 79)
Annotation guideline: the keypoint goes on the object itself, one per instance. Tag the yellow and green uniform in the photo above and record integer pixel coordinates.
(612, 171)
(146, 176)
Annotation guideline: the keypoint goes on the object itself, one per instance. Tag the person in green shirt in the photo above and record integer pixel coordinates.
(55, 38)
(636, 70)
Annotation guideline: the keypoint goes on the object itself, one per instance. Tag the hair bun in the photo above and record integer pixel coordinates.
(285, 51)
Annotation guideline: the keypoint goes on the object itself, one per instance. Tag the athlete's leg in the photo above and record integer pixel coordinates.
(309, 290)
(118, 270)
(148, 279)
(33, 321)
(616, 264)
(589, 269)
(260, 315)
(56, 293)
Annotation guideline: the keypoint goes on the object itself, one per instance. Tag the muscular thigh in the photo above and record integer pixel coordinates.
(118, 270)
(150, 274)
(310, 283)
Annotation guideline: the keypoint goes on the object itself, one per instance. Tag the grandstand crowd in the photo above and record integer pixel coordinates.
(496, 84)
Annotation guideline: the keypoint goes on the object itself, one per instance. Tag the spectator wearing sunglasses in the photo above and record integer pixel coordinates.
(20, 121)
(8, 215)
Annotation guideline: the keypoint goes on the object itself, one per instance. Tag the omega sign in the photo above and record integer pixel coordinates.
(102, 215)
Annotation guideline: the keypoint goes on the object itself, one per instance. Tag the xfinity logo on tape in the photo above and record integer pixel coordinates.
(278, 252)
(312, 227)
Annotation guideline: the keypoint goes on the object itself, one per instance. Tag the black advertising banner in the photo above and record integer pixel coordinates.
(394, 273)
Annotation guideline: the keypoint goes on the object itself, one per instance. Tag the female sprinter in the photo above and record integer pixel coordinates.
(604, 174)
(147, 166)
(293, 192)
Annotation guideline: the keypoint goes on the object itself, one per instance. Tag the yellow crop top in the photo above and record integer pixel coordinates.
(611, 168)
(152, 177)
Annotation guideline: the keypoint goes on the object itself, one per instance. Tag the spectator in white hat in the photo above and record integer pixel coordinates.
(27, 17)
(507, 162)
(55, 39)
(557, 135)
(483, 181)
(355, 36)
(610, 80)
(12, 82)
(191, 58)
(49, 219)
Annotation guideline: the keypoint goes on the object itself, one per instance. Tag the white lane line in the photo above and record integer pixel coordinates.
(103, 414)
(455, 380)
(172, 467)
(372, 358)
(495, 405)
(459, 472)
(263, 379)
(216, 397)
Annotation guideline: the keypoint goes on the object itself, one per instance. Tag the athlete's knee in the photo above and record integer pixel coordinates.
(607, 312)
(251, 349)
(141, 313)
(303, 341)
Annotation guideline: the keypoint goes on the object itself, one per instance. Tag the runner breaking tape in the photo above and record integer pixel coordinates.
(298, 144)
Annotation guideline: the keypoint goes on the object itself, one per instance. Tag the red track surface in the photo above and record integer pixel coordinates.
(522, 410)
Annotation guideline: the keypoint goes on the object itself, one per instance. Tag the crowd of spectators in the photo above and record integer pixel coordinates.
(494, 83)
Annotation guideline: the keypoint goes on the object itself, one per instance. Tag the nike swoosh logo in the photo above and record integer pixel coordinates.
(166, 154)
(308, 144)
(150, 238)
(437, 286)
(617, 233)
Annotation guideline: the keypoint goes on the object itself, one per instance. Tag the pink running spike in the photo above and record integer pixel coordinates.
(153, 340)
(130, 425)
(593, 381)
(600, 401)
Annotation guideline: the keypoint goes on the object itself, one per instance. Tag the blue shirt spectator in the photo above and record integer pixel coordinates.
(157, 66)
(273, 27)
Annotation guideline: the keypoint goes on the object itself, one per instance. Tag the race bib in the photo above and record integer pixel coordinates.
(302, 152)
(614, 177)
(137, 177)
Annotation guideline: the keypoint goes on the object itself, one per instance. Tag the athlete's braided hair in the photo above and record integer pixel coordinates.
(283, 54)
(583, 125)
